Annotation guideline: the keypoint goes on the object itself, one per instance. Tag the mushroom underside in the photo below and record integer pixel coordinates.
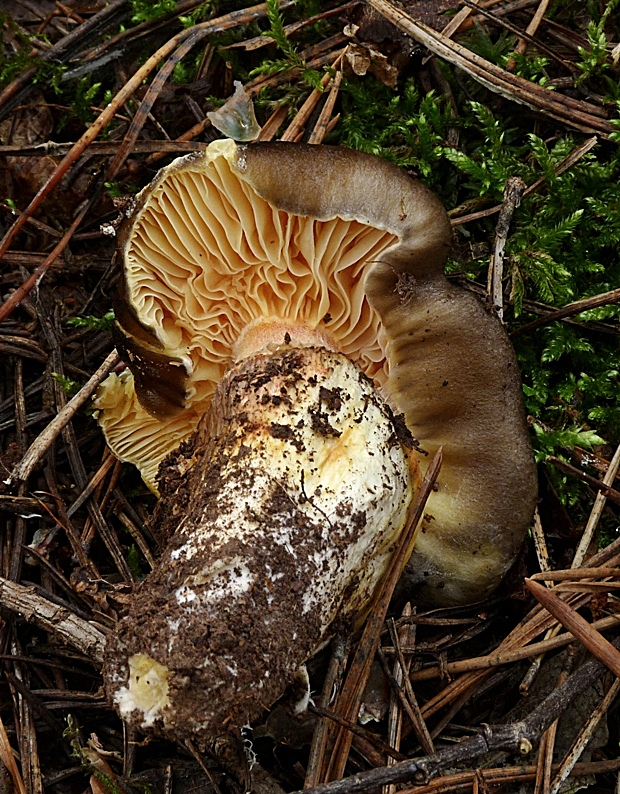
(207, 263)
(330, 247)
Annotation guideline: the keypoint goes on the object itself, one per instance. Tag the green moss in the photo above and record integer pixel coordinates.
(105, 323)
(149, 10)
(278, 34)
(15, 59)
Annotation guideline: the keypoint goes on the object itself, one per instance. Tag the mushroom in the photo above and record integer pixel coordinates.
(280, 303)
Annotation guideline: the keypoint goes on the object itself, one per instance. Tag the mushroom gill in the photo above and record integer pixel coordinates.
(208, 261)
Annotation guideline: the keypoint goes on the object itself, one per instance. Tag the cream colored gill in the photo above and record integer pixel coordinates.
(208, 259)
(209, 256)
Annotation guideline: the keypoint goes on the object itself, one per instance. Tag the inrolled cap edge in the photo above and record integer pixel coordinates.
(360, 187)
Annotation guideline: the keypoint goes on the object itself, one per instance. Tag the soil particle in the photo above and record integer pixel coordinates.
(281, 431)
(331, 398)
(331, 401)
(288, 433)
(321, 425)
(403, 434)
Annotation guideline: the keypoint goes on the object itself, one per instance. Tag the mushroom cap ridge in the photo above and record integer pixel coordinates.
(332, 181)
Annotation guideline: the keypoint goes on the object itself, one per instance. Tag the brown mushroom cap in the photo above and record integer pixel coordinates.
(344, 251)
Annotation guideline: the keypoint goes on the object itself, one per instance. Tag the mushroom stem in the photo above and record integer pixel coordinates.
(268, 333)
(280, 511)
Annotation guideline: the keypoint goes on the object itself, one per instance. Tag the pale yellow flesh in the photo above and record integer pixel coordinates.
(146, 690)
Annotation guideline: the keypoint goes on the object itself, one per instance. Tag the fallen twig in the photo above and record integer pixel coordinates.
(531, 29)
(510, 656)
(58, 620)
(578, 626)
(400, 671)
(322, 123)
(375, 740)
(257, 42)
(597, 509)
(413, 711)
(609, 492)
(13, 301)
(567, 162)
(8, 759)
(596, 301)
(41, 444)
(513, 193)
(575, 113)
(335, 671)
(581, 740)
(520, 737)
(463, 781)
(53, 149)
(525, 37)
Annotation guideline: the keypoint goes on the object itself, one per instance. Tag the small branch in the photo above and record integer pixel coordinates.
(540, 543)
(53, 149)
(413, 711)
(568, 162)
(533, 26)
(369, 736)
(8, 759)
(41, 444)
(582, 739)
(13, 301)
(399, 693)
(112, 12)
(525, 37)
(597, 510)
(57, 620)
(576, 113)
(305, 111)
(257, 42)
(463, 781)
(609, 492)
(578, 626)
(147, 103)
(510, 656)
(331, 684)
(547, 742)
(513, 193)
(273, 124)
(457, 20)
(320, 128)
(518, 737)
(575, 574)
(595, 302)
(406, 636)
